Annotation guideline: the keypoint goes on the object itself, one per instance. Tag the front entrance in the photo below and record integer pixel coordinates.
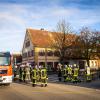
(81, 64)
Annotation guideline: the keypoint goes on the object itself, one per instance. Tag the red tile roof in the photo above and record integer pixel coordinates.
(42, 38)
(39, 38)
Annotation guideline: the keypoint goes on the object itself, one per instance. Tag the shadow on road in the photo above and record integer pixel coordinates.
(27, 83)
(95, 84)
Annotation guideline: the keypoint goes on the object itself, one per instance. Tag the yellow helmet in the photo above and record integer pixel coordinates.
(74, 65)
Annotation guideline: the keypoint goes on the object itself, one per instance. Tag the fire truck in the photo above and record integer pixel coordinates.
(6, 72)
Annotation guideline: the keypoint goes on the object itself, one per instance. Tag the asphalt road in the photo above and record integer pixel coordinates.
(54, 91)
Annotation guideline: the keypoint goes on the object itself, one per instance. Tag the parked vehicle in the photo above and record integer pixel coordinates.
(6, 72)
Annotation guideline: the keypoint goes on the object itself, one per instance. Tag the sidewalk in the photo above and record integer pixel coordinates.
(93, 84)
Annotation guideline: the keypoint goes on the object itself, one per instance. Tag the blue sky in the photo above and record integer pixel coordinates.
(17, 15)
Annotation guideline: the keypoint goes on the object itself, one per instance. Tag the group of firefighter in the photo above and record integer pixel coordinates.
(70, 73)
(33, 74)
(38, 74)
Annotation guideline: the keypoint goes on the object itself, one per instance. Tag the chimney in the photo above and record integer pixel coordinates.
(42, 29)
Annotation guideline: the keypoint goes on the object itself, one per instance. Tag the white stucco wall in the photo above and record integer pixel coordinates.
(26, 50)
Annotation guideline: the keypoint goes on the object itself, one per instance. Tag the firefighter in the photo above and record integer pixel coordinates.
(27, 70)
(69, 75)
(59, 69)
(30, 72)
(38, 74)
(20, 74)
(65, 72)
(15, 71)
(23, 74)
(60, 74)
(43, 76)
(88, 74)
(34, 76)
(75, 74)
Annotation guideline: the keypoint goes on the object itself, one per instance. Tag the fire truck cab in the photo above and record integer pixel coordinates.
(6, 72)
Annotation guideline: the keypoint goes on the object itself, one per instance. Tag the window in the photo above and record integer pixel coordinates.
(41, 53)
(29, 54)
(57, 53)
(32, 52)
(49, 53)
(4, 61)
(27, 44)
(24, 55)
(92, 63)
(96, 64)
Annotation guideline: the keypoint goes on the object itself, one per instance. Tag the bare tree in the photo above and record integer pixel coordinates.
(96, 44)
(62, 40)
(88, 43)
(76, 49)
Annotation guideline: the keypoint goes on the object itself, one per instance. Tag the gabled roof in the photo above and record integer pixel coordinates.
(42, 38)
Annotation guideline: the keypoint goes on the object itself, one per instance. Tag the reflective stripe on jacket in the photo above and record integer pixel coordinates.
(76, 71)
(69, 70)
(34, 73)
(43, 73)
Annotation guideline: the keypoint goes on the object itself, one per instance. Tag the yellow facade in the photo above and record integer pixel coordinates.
(37, 58)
